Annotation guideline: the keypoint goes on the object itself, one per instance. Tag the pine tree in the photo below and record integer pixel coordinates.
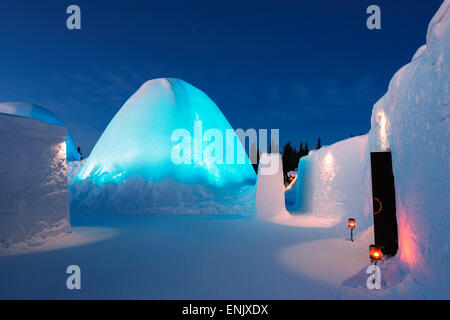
(289, 158)
(301, 151)
(319, 145)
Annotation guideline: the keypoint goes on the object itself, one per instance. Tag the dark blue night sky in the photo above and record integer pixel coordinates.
(309, 68)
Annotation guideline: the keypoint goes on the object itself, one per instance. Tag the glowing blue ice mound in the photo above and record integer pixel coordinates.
(131, 168)
(137, 141)
(28, 110)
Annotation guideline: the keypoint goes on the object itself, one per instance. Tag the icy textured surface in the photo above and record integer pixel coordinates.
(334, 185)
(269, 191)
(413, 120)
(270, 198)
(29, 110)
(34, 200)
(130, 169)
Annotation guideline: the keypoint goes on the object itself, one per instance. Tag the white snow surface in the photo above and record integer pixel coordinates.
(33, 186)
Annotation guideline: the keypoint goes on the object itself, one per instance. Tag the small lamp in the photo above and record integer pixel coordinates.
(351, 225)
(375, 253)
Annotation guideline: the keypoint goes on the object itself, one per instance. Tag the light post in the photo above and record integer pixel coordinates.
(351, 225)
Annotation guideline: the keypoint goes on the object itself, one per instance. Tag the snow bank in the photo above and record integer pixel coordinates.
(334, 185)
(132, 170)
(413, 120)
(34, 111)
(34, 200)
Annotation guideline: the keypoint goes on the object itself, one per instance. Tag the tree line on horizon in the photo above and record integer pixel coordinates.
(290, 155)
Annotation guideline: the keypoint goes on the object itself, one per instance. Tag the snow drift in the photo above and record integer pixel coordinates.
(131, 168)
(34, 111)
(34, 200)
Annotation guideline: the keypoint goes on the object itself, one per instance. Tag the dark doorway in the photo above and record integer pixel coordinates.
(383, 192)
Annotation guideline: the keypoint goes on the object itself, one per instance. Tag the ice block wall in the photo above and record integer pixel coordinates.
(34, 199)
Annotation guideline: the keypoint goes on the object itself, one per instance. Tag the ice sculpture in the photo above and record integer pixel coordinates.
(139, 142)
(132, 170)
(37, 112)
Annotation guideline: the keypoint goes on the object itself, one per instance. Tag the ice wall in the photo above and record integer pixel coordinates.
(413, 120)
(132, 169)
(333, 183)
(34, 111)
(270, 202)
(34, 200)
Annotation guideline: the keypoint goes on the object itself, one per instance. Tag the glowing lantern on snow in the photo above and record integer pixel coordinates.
(375, 253)
(351, 225)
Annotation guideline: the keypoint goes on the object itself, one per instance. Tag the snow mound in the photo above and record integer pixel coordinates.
(131, 168)
(34, 199)
(34, 111)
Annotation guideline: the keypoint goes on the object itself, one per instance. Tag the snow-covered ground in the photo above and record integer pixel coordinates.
(193, 257)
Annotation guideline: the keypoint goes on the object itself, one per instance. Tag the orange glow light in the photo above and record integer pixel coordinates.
(375, 252)
(290, 184)
(351, 223)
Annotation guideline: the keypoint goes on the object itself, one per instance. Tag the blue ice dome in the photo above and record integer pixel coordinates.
(139, 140)
(29, 110)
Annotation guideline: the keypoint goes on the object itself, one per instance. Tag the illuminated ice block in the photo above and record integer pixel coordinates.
(139, 141)
(135, 168)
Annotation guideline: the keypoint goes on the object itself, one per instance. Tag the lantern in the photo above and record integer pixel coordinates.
(351, 225)
(375, 253)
